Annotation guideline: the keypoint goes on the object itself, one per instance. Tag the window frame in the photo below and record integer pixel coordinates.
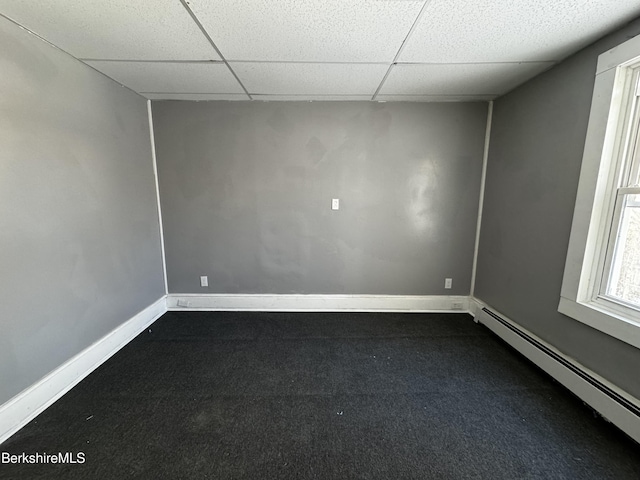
(601, 179)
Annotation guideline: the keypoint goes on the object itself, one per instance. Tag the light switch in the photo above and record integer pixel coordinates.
(335, 204)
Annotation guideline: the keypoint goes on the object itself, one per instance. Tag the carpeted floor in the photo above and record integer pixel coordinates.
(322, 395)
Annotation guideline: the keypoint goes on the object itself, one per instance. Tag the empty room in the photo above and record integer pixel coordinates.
(376, 239)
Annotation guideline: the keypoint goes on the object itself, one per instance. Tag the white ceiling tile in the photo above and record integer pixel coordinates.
(114, 29)
(308, 30)
(174, 77)
(459, 79)
(197, 97)
(312, 98)
(435, 98)
(512, 31)
(310, 78)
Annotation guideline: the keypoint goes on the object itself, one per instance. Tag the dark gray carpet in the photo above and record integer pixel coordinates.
(327, 396)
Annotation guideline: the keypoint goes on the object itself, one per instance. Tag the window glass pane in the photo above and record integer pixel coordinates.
(634, 177)
(624, 281)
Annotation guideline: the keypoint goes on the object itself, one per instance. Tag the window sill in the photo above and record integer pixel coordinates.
(597, 316)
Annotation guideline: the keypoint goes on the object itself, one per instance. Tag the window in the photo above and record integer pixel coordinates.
(618, 276)
(601, 285)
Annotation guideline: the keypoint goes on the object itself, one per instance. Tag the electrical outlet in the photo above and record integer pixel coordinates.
(335, 204)
(204, 281)
(448, 282)
(456, 306)
(184, 303)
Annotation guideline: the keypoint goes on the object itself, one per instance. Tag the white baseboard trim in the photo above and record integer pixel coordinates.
(21, 409)
(319, 303)
(606, 406)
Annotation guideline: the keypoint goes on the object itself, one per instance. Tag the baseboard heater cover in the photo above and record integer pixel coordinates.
(617, 409)
(578, 371)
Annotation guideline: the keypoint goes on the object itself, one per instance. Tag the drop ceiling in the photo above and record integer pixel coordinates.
(411, 50)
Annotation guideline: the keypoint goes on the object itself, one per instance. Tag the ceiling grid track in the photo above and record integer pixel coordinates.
(523, 62)
(213, 44)
(402, 45)
(115, 60)
(316, 62)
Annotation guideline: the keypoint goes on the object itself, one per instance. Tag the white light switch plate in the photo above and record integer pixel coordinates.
(335, 204)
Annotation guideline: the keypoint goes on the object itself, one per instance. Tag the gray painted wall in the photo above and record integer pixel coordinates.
(246, 193)
(537, 140)
(79, 235)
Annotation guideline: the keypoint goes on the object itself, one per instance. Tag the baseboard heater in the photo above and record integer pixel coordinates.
(578, 371)
(613, 404)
